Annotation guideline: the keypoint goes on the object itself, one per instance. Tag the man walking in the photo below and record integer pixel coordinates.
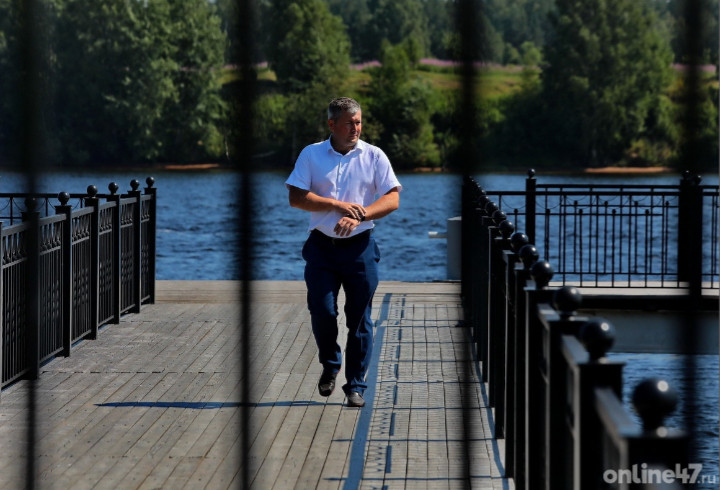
(345, 184)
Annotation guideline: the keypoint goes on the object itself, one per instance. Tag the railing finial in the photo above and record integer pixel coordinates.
(491, 207)
(531, 173)
(597, 335)
(150, 181)
(31, 204)
(518, 240)
(113, 187)
(63, 197)
(566, 301)
(528, 255)
(134, 184)
(506, 228)
(654, 399)
(499, 216)
(541, 273)
(92, 190)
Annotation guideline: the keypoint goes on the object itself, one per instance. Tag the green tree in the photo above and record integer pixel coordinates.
(307, 45)
(358, 18)
(607, 68)
(440, 22)
(13, 66)
(135, 80)
(518, 22)
(397, 21)
(8, 77)
(309, 51)
(401, 108)
(193, 118)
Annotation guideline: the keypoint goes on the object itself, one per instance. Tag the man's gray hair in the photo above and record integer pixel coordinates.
(343, 104)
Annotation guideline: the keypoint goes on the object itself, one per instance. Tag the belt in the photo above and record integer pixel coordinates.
(340, 242)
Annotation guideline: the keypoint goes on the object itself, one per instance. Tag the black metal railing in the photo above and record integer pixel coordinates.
(95, 261)
(612, 235)
(556, 397)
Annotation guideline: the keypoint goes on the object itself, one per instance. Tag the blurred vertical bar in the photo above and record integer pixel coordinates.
(242, 120)
(693, 152)
(31, 91)
(468, 21)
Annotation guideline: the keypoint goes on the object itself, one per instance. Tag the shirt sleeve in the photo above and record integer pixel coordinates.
(385, 179)
(300, 177)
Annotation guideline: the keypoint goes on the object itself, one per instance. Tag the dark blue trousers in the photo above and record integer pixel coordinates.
(330, 264)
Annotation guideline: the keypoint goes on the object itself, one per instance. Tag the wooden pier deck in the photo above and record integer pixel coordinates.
(154, 401)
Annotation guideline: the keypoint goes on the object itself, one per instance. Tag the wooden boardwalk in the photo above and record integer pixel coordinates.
(154, 401)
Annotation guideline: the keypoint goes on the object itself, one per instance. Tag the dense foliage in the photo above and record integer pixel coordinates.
(589, 82)
(131, 81)
(607, 69)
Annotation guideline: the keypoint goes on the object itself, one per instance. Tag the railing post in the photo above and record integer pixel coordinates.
(137, 245)
(566, 300)
(528, 255)
(489, 366)
(466, 193)
(482, 280)
(511, 257)
(117, 252)
(690, 211)
(94, 202)
(67, 279)
(534, 408)
(151, 238)
(32, 287)
(654, 399)
(530, 195)
(497, 289)
(597, 336)
(476, 286)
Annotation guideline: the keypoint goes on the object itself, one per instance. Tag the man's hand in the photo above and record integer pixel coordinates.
(352, 210)
(309, 201)
(345, 226)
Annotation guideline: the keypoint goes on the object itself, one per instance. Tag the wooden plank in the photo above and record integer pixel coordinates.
(184, 352)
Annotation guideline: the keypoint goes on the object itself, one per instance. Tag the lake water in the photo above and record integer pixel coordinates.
(198, 212)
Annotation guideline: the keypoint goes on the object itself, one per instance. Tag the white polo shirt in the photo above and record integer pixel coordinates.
(360, 176)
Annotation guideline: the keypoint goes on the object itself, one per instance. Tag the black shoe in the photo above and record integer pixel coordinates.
(326, 385)
(355, 399)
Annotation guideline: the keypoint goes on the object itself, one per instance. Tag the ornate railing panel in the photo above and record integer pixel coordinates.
(50, 286)
(128, 209)
(91, 262)
(612, 235)
(83, 318)
(14, 302)
(107, 237)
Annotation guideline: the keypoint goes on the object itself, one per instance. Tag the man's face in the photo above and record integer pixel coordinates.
(346, 130)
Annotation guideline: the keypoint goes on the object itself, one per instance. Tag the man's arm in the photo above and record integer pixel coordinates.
(309, 201)
(385, 205)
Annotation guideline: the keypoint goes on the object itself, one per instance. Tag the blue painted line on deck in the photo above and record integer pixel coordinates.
(362, 431)
(392, 424)
(388, 459)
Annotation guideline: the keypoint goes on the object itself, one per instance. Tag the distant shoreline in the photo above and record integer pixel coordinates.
(600, 170)
(629, 170)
